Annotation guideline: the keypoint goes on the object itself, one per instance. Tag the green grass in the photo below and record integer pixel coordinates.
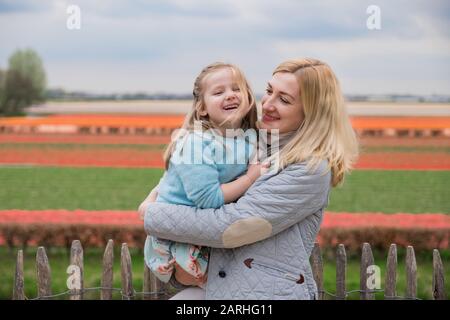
(38, 188)
(424, 262)
(123, 189)
(393, 191)
(59, 261)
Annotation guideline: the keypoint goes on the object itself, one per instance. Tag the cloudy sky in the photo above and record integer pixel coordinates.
(161, 45)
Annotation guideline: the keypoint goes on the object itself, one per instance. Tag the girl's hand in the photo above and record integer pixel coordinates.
(254, 171)
(150, 198)
(142, 208)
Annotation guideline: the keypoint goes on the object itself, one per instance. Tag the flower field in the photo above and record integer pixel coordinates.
(94, 228)
(354, 210)
(57, 187)
(141, 151)
(123, 157)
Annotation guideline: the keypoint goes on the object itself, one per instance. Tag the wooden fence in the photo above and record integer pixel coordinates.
(154, 289)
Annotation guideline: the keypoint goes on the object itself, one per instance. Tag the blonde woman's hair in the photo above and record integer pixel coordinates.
(326, 132)
(246, 110)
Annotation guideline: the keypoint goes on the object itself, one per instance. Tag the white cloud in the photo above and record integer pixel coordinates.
(381, 65)
(371, 47)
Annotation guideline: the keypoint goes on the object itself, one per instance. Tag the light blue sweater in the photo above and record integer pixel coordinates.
(200, 163)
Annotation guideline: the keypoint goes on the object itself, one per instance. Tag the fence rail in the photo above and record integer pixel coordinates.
(153, 289)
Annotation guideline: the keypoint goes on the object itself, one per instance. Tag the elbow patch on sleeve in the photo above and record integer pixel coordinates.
(246, 231)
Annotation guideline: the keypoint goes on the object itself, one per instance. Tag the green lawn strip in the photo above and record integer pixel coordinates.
(39, 188)
(72, 146)
(59, 261)
(392, 192)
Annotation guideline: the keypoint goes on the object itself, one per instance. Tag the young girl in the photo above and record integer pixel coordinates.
(205, 165)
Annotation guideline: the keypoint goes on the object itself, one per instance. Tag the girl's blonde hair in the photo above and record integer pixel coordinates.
(246, 110)
(326, 131)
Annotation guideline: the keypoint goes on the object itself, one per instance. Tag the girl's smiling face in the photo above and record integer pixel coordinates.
(281, 105)
(222, 97)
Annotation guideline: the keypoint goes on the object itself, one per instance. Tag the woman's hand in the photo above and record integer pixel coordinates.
(150, 198)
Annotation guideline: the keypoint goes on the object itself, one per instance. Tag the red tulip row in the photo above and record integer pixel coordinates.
(132, 157)
(60, 227)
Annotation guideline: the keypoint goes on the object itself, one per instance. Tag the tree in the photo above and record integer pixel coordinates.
(24, 82)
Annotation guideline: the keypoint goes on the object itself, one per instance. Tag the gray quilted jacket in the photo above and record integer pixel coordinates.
(262, 243)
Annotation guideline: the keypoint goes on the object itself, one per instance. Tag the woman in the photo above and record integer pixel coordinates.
(262, 243)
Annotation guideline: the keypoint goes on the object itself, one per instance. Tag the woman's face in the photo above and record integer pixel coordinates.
(281, 105)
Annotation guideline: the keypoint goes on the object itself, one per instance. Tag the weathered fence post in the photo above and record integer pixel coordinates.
(18, 291)
(147, 285)
(154, 289)
(366, 261)
(76, 259)
(438, 277)
(391, 274)
(341, 272)
(411, 273)
(43, 274)
(107, 276)
(317, 269)
(154, 285)
(127, 277)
